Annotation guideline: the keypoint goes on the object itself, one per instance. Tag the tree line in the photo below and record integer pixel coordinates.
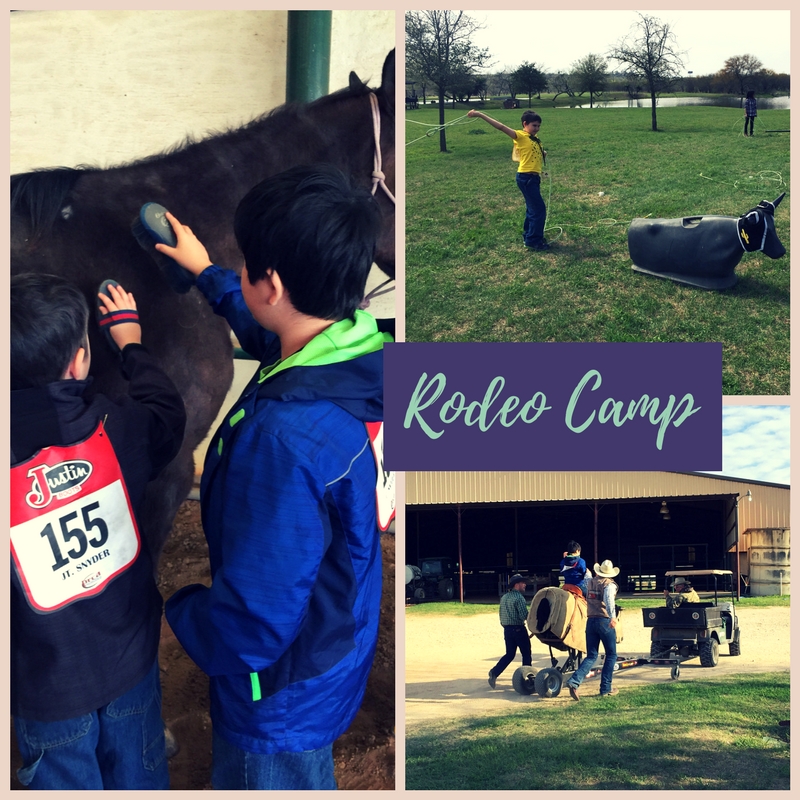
(591, 77)
(442, 61)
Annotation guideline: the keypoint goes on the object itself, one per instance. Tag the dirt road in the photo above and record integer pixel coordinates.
(447, 661)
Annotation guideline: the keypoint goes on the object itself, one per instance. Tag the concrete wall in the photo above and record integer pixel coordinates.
(104, 87)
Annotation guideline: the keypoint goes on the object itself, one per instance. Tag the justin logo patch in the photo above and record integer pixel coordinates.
(56, 482)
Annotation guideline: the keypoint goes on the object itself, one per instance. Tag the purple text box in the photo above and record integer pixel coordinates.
(553, 406)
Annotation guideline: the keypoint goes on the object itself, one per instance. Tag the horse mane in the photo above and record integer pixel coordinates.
(43, 192)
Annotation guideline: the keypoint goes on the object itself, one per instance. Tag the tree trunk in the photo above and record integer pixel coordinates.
(653, 102)
(442, 135)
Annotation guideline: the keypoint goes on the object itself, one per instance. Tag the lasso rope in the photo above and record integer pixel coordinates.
(436, 128)
(764, 175)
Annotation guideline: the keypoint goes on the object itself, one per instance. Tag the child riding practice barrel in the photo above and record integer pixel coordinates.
(77, 223)
(703, 251)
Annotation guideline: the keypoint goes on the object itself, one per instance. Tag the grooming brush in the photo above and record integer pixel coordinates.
(152, 227)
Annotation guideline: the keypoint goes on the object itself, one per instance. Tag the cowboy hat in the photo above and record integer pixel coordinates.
(606, 570)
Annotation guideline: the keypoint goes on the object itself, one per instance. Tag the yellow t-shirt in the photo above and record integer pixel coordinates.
(531, 155)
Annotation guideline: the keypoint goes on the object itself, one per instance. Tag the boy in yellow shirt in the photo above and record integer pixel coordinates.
(532, 159)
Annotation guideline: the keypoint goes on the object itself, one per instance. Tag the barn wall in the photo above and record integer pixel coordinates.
(104, 87)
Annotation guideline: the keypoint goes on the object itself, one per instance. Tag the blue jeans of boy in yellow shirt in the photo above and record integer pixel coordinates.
(535, 209)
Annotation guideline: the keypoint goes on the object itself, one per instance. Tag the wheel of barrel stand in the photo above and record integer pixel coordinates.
(523, 680)
(548, 682)
(675, 672)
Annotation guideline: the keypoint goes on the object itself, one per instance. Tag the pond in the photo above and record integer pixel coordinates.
(667, 102)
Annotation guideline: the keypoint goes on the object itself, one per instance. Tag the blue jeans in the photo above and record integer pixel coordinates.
(598, 629)
(516, 636)
(535, 209)
(233, 768)
(119, 746)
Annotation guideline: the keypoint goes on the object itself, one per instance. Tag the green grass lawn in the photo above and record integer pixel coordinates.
(469, 277)
(712, 734)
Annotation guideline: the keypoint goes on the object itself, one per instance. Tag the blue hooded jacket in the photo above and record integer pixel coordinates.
(288, 629)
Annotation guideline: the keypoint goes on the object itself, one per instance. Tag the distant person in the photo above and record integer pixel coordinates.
(532, 159)
(750, 111)
(513, 616)
(682, 593)
(600, 627)
(573, 568)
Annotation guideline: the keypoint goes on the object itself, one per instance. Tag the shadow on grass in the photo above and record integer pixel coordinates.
(716, 734)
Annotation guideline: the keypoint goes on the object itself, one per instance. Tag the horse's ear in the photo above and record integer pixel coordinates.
(355, 82)
(387, 76)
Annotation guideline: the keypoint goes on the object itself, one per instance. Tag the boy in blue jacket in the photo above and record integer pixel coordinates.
(573, 568)
(288, 629)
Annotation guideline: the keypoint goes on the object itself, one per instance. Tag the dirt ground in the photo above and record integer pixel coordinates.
(448, 658)
(363, 756)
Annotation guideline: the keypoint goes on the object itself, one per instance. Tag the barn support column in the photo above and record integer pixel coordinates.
(460, 562)
(308, 55)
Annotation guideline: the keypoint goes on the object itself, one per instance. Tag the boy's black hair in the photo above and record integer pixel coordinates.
(751, 94)
(317, 231)
(531, 116)
(573, 547)
(49, 318)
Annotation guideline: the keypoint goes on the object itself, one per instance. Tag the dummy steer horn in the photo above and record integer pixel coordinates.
(703, 251)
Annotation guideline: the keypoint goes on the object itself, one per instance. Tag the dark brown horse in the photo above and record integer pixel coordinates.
(77, 223)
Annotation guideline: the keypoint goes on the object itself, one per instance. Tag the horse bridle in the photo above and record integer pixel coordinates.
(378, 178)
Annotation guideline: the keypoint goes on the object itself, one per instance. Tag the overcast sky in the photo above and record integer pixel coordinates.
(755, 443)
(556, 39)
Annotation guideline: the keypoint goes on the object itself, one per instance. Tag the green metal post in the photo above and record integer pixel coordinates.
(308, 55)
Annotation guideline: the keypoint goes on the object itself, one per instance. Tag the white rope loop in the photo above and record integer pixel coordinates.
(378, 178)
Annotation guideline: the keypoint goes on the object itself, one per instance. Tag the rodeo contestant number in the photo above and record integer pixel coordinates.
(68, 533)
(74, 551)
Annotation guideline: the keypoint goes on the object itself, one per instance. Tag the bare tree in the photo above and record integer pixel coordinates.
(439, 47)
(590, 74)
(650, 54)
(742, 70)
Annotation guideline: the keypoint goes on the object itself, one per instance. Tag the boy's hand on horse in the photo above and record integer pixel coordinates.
(118, 299)
(189, 252)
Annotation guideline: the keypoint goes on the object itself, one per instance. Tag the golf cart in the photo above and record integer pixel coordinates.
(695, 629)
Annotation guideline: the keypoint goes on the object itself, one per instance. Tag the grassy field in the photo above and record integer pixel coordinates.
(469, 277)
(715, 734)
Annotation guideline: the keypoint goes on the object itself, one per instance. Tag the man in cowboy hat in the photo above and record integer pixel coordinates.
(513, 615)
(600, 625)
(684, 593)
